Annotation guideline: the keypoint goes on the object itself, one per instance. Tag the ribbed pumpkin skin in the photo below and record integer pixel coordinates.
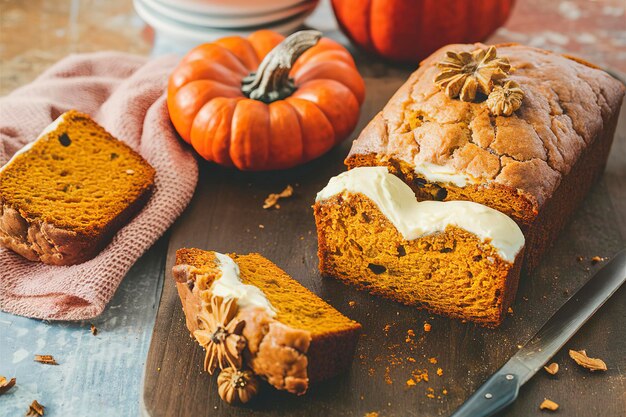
(410, 30)
(209, 110)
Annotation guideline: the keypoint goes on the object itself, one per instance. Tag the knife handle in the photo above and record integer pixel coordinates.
(494, 395)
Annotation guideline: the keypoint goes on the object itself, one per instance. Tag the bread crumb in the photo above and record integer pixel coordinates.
(427, 327)
(430, 393)
(510, 310)
(597, 259)
(410, 359)
(439, 371)
(94, 330)
(272, 199)
(371, 414)
(6, 385)
(46, 359)
(351, 303)
(548, 405)
(386, 328)
(410, 332)
(552, 369)
(410, 383)
(35, 409)
(388, 379)
(432, 360)
(581, 358)
(261, 226)
(580, 258)
(444, 391)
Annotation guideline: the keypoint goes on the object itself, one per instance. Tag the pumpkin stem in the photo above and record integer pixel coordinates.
(271, 81)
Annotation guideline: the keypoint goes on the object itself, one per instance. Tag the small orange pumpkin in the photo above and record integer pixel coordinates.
(265, 102)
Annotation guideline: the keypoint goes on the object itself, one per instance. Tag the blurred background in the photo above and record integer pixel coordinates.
(36, 33)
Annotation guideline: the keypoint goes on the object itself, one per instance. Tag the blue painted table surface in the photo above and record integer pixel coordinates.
(97, 376)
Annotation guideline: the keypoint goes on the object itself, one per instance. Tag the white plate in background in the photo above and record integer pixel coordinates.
(232, 22)
(231, 7)
(191, 35)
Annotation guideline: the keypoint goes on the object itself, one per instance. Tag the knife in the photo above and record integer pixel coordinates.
(502, 388)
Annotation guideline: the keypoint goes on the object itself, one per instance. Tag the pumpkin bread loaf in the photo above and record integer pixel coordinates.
(457, 258)
(535, 163)
(294, 338)
(64, 196)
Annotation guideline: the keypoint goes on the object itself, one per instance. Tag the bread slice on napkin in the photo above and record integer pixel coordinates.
(63, 196)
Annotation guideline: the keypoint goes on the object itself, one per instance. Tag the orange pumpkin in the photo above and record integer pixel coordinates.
(410, 30)
(265, 102)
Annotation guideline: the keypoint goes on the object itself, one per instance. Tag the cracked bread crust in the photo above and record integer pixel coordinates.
(568, 105)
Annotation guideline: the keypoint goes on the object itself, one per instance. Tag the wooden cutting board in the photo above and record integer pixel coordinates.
(226, 215)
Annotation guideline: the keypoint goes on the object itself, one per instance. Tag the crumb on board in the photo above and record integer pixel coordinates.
(592, 364)
(427, 326)
(272, 199)
(388, 379)
(371, 414)
(547, 404)
(351, 303)
(597, 259)
(439, 371)
(410, 382)
(552, 369)
(94, 330)
(432, 360)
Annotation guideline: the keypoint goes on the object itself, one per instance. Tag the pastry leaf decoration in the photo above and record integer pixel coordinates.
(464, 74)
(505, 99)
(220, 333)
(237, 386)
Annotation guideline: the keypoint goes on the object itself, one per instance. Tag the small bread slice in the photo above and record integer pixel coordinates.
(303, 340)
(65, 195)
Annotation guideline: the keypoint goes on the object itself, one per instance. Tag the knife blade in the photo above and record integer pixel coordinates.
(502, 388)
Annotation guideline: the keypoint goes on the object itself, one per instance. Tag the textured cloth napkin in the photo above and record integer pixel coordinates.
(125, 94)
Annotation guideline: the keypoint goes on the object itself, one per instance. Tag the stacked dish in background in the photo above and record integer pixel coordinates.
(182, 24)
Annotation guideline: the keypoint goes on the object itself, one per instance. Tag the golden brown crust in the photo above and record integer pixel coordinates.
(566, 106)
(38, 240)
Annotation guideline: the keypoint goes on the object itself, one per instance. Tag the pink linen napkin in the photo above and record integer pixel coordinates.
(125, 94)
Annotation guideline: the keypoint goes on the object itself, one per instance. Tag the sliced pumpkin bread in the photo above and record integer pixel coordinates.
(293, 337)
(63, 196)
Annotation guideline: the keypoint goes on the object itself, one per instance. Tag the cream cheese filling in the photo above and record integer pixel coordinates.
(229, 285)
(415, 219)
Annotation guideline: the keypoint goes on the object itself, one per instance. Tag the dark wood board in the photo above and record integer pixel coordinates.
(225, 215)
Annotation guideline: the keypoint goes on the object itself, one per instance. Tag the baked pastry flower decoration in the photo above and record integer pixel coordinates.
(220, 333)
(463, 74)
(237, 386)
(505, 99)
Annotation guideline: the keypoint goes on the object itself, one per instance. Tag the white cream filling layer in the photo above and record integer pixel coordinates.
(415, 219)
(50, 128)
(229, 285)
(438, 173)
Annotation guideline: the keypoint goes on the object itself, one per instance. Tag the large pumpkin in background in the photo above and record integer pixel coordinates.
(265, 102)
(410, 30)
